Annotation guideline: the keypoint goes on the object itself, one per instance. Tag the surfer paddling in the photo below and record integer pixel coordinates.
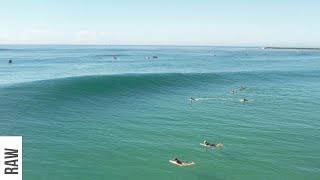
(206, 143)
(177, 162)
(246, 100)
(191, 99)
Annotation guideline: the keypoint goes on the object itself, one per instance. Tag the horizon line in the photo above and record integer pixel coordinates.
(182, 45)
(89, 44)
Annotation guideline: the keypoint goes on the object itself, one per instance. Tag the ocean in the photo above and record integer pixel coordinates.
(85, 114)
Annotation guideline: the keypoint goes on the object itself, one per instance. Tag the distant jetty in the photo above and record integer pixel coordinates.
(292, 48)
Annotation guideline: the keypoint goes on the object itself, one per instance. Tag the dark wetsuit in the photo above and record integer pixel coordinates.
(209, 144)
(178, 161)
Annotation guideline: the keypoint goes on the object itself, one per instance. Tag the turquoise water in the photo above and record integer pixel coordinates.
(85, 115)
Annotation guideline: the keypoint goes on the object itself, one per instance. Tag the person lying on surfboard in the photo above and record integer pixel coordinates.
(177, 161)
(212, 145)
(246, 100)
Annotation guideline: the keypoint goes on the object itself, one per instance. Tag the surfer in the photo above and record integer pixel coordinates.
(245, 100)
(206, 143)
(177, 161)
(114, 57)
(10, 61)
(191, 99)
(210, 145)
(233, 91)
(242, 88)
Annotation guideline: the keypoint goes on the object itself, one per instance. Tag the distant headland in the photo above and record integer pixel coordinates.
(293, 48)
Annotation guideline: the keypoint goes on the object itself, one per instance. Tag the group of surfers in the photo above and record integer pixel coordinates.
(205, 143)
(231, 91)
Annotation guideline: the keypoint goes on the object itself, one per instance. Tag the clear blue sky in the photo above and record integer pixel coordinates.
(172, 22)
